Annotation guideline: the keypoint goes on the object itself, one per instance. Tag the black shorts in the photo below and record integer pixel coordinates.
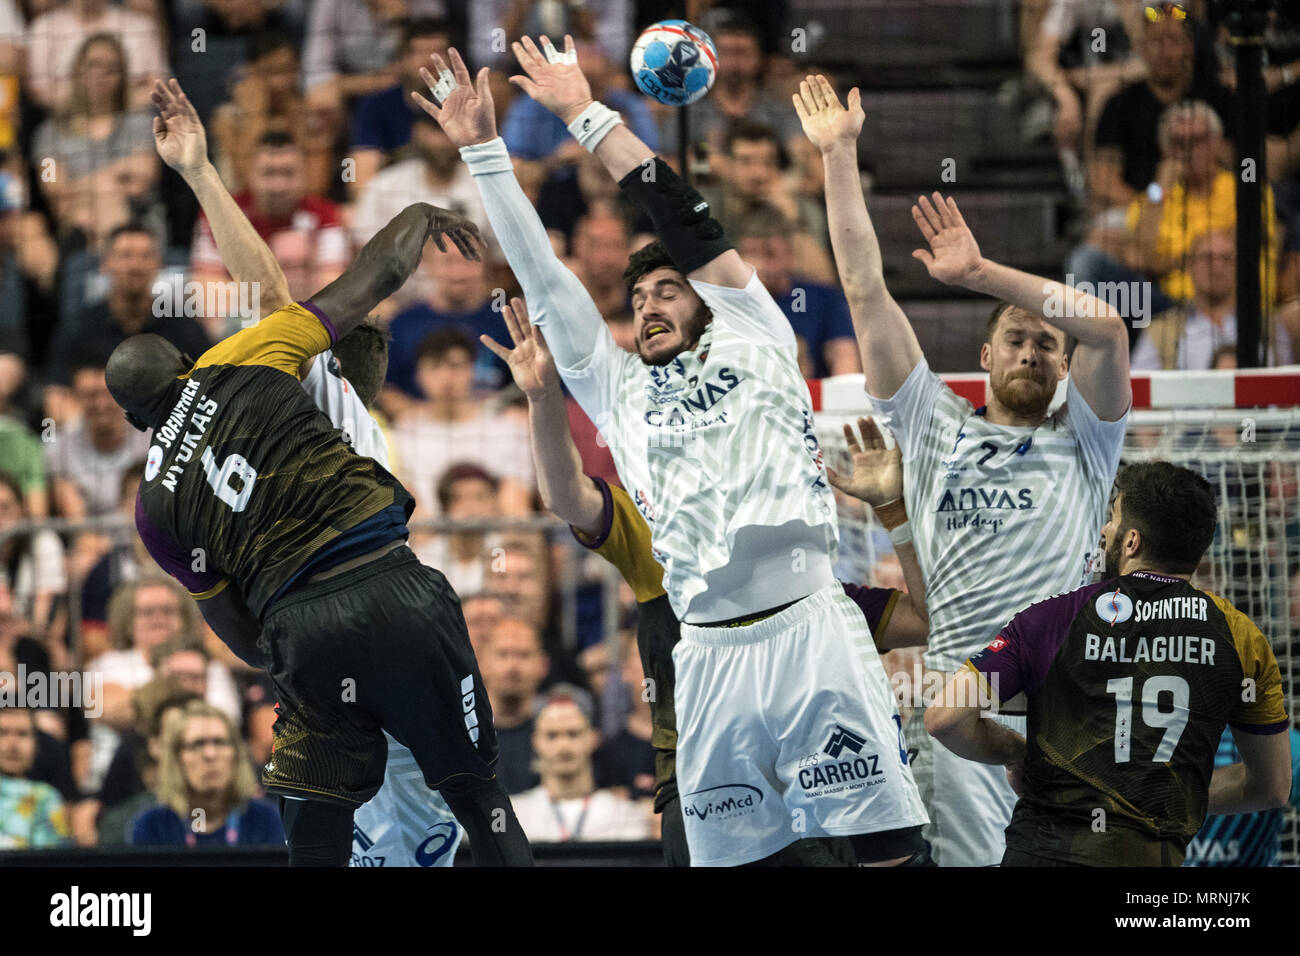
(382, 646)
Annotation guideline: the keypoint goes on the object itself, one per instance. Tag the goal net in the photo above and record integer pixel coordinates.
(1241, 430)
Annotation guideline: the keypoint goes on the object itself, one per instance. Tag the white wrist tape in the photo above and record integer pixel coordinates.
(489, 157)
(593, 124)
(902, 534)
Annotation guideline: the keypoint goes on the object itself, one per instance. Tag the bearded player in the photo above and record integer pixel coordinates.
(1006, 501)
(294, 545)
(1129, 684)
(603, 518)
(710, 426)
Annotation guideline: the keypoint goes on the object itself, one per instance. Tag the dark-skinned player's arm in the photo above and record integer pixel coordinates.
(228, 616)
(385, 262)
(887, 343)
(1099, 368)
(678, 212)
(182, 145)
(877, 479)
(565, 489)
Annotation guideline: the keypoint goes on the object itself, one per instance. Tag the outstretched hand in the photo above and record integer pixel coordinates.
(877, 476)
(530, 361)
(177, 131)
(461, 231)
(953, 256)
(553, 79)
(825, 122)
(467, 114)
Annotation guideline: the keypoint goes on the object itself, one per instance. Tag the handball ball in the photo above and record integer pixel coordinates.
(674, 62)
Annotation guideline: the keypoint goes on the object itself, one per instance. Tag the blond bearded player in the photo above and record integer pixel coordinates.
(710, 425)
(1005, 501)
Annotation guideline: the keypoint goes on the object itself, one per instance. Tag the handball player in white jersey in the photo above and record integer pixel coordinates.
(1006, 502)
(787, 727)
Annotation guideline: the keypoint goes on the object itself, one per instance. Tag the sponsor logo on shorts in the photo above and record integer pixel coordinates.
(820, 777)
(467, 705)
(436, 846)
(841, 739)
(726, 802)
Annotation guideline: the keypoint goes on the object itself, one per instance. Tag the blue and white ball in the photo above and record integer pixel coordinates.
(674, 62)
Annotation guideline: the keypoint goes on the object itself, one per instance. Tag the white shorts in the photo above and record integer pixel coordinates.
(969, 803)
(787, 729)
(405, 823)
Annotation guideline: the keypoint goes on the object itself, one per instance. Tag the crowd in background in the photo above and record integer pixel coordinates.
(311, 126)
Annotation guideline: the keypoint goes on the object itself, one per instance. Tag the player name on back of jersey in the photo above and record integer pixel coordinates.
(174, 430)
(1173, 649)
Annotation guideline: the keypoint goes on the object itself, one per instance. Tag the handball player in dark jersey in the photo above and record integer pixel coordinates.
(294, 546)
(1129, 685)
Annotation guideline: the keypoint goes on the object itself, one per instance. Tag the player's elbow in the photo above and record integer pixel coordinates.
(1279, 789)
(941, 721)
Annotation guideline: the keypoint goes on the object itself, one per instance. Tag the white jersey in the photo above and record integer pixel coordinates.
(1002, 516)
(718, 451)
(405, 823)
(335, 396)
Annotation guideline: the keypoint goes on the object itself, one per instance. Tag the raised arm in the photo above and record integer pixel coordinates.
(1099, 368)
(886, 341)
(877, 479)
(182, 144)
(555, 80)
(388, 259)
(559, 302)
(565, 489)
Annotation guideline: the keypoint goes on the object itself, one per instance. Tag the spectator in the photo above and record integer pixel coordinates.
(29, 261)
(600, 252)
(1196, 194)
(305, 232)
(96, 155)
(267, 98)
(352, 46)
(513, 666)
(86, 461)
(133, 775)
(1127, 154)
(572, 191)
(532, 132)
(13, 40)
(31, 569)
(432, 173)
(483, 612)
(122, 564)
(754, 183)
(521, 578)
(20, 449)
(459, 297)
(206, 789)
(53, 39)
(566, 805)
(131, 264)
(1191, 336)
(606, 23)
(32, 814)
(625, 760)
(451, 426)
(465, 492)
(1063, 56)
(737, 93)
(818, 313)
(383, 121)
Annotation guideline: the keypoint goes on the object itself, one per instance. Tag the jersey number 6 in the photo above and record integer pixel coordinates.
(223, 479)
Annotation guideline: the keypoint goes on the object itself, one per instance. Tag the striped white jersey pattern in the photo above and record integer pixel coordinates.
(1002, 516)
(718, 451)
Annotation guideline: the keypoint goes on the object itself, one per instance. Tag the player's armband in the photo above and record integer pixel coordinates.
(680, 215)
